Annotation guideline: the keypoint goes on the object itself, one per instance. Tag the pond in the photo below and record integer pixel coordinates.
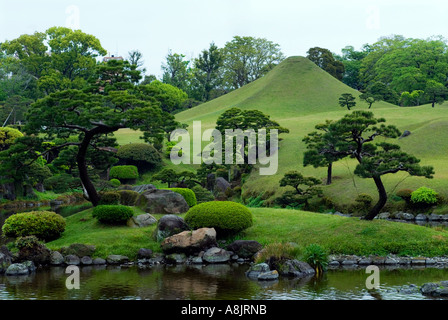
(210, 282)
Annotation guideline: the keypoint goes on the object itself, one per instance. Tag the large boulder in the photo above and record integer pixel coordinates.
(144, 187)
(117, 259)
(141, 221)
(20, 269)
(295, 268)
(222, 185)
(216, 255)
(37, 253)
(245, 248)
(56, 258)
(169, 225)
(162, 202)
(5, 262)
(257, 269)
(190, 242)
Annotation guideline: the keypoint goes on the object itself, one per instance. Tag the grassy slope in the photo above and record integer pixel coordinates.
(337, 234)
(299, 95)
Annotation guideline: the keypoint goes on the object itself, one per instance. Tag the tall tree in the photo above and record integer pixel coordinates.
(436, 92)
(325, 60)
(177, 71)
(356, 132)
(109, 104)
(247, 59)
(208, 71)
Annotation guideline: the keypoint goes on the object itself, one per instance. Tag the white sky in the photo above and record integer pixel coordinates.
(189, 26)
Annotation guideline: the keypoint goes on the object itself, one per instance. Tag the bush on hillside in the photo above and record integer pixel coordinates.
(188, 195)
(124, 173)
(202, 194)
(424, 196)
(111, 214)
(142, 155)
(404, 194)
(109, 198)
(128, 197)
(225, 216)
(45, 225)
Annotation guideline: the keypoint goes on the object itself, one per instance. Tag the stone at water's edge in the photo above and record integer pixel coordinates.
(295, 268)
(20, 269)
(162, 202)
(117, 259)
(257, 269)
(270, 275)
(144, 253)
(245, 248)
(56, 258)
(169, 225)
(190, 242)
(216, 255)
(176, 258)
(71, 259)
(79, 249)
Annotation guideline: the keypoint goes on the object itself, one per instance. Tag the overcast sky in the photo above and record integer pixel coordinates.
(189, 26)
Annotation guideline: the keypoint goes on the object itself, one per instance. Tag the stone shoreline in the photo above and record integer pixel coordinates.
(336, 261)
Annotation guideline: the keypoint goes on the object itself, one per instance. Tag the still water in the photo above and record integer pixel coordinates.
(211, 282)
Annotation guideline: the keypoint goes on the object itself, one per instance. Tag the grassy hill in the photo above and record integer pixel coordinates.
(299, 95)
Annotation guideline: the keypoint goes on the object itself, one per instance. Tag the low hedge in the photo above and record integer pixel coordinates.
(109, 198)
(44, 225)
(226, 217)
(123, 172)
(128, 197)
(110, 214)
(188, 194)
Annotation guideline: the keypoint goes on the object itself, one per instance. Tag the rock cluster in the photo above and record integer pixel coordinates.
(336, 261)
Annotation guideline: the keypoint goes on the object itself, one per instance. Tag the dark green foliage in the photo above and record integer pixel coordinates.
(61, 183)
(123, 172)
(112, 214)
(364, 199)
(347, 100)
(142, 155)
(324, 59)
(188, 195)
(169, 176)
(109, 198)
(316, 257)
(304, 189)
(225, 216)
(405, 194)
(128, 197)
(202, 194)
(45, 225)
(26, 242)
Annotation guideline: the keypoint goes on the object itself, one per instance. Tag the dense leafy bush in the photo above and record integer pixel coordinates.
(405, 194)
(61, 183)
(45, 225)
(109, 198)
(188, 194)
(316, 257)
(123, 172)
(8, 136)
(115, 183)
(26, 242)
(142, 155)
(110, 214)
(202, 194)
(424, 196)
(128, 197)
(225, 216)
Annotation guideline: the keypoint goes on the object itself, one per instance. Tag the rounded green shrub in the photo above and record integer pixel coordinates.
(123, 172)
(8, 136)
(226, 217)
(142, 155)
(188, 195)
(44, 225)
(202, 194)
(404, 194)
(109, 198)
(364, 199)
(115, 183)
(128, 197)
(424, 196)
(110, 214)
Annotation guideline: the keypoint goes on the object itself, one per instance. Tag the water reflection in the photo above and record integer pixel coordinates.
(211, 282)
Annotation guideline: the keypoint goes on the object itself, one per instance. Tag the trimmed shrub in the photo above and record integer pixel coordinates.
(225, 216)
(110, 214)
(109, 198)
(123, 172)
(404, 194)
(45, 225)
(202, 194)
(188, 195)
(115, 183)
(128, 197)
(142, 155)
(424, 196)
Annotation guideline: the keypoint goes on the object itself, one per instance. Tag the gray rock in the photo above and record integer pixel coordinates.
(434, 217)
(216, 255)
(383, 215)
(365, 262)
(86, 260)
(418, 261)
(295, 268)
(421, 217)
(334, 263)
(98, 261)
(71, 259)
(222, 185)
(390, 261)
(234, 257)
(79, 249)
(141, 221)
(411, 289)
(197, 260)
(30, 265)
(255, 270)
(245, 248)
(5, 262)
(144, 253)
(430, 261)
(176, 258)
(240, 260)
(428, 288)
(170, 225)
(348, 262)
(17, 269)
(407, 216)
(56, 258)
(157, 201)
(117, 259)
(143, 188)
(190, 242)
(405, 134)
(270, 275)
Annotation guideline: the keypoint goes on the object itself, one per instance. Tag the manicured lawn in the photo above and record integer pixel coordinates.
(336, 234)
